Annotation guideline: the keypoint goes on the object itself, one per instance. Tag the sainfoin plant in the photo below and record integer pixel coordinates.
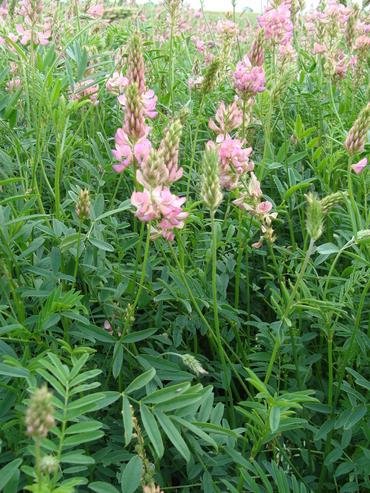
(184, 248)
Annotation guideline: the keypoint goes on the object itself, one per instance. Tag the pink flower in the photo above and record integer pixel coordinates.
(160, 203)
(150, 102)
(264, 207)
(200, 45)
(362, 43)
(116, 83)
(277, 24)
(14, 83)
(142, 150)
(227, 28)
(254, 187)
(96, 10)
(360, 166)
(146, 208)
(125, 151)
(234, 161)
(248, 80)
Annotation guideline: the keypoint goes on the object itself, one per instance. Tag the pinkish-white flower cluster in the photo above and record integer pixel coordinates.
(251, 201)
(117, 83)
(31, 28)
(161, 205)
(156, 169)
(277, 24)
(233, 157)
(131, 141)
(127, 150)
(249, 80)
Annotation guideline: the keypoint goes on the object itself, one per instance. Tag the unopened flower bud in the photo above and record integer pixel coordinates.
(83, 204)
(315, 217)
(363, 235)
(49, 464)
(134, 125)
(210, 76)
(153, 172)
(356, 137)
(256, 54)
(169, 151)
(40, 414)
(210, 188)
(135, 60)
(331, 200)
(191, 362)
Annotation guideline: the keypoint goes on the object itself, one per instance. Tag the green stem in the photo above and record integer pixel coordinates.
(287, 310)
(206, 323)
(78, 253)
(194, 146)
(172, 65)
(216, 317)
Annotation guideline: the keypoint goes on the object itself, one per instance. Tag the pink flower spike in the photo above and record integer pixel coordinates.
(360, 166)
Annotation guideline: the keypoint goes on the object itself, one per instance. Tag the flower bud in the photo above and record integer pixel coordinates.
(315, 217)
(83, 205)
(153, 172)
(210, 76)
(256, 54)
(135, 60)
(49, 464)
(356, 137)
(331, 200)
(40, 414)
(210, 187)
(191, 362)
(169, 151)
(134, 125)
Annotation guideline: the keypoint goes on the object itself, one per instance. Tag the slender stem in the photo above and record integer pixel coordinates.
(38, 461)
(78, 252)
(287, 310)
(206, 323)
(143, 269)
(216, 317)
(172, 65)
(194, 146)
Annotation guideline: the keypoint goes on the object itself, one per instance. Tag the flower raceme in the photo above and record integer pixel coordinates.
(160, 203)
(277, 24)
(233, 158)
(234, 161)
(250, 200)
(248, 80)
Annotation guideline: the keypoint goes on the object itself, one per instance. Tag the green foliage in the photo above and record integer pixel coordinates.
(232, 359)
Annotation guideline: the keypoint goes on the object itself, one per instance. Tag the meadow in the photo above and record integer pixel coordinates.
(184, 248)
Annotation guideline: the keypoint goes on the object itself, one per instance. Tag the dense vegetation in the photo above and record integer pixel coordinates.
(184, 249)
